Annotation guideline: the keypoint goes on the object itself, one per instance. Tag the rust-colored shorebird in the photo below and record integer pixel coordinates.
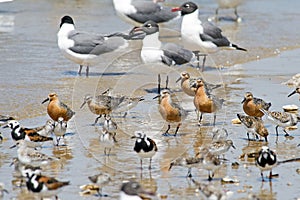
(251, 105)
(170, 111)
(58, 109)
(206, 102)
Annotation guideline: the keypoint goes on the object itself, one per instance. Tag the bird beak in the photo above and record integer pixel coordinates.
(243, 100)
(157, 96)
(45, 100)
(233, 146)
(13, 146)
(133, 137)
(171, 165)
(82, 104)
(141, 99)
(292, 93)
(5, 126)
(176, 9)
(178, 79)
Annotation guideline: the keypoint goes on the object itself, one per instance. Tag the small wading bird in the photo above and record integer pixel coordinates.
(102, 104)
(132, 190)
(100, 179)
(252, 105)
(144, 147)
(282, 119)
(56, 108)
(254, 125)
(170, 111)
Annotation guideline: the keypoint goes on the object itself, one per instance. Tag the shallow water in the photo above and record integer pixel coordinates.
(32, 66)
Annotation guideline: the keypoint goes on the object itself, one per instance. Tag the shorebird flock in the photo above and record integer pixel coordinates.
(86, 49)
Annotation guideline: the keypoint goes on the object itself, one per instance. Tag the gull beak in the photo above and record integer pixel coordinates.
(176, 9)
(243, 100)
(45, 100)
(82, 104)
(157, 96)
(292, 93)
(5, 126)
(178, 79)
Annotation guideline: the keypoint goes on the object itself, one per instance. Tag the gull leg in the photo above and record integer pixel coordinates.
(79, 71)
(87, 71)
(158, 87)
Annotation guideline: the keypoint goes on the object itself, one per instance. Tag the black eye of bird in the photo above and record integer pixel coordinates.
(149, 25)
(187, 5)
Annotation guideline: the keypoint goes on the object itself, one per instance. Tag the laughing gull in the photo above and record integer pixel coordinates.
(227, 4)
(197, 34)
(141, 11)
(153, 51)
(85, 48)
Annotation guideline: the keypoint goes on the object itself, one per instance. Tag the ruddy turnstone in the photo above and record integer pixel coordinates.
(44, 186)
(266, 160)
(30, 135)
(144, 147)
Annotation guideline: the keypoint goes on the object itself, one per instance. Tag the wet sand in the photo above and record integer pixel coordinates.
(32, 66)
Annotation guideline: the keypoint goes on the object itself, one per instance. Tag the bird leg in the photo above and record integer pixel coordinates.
(177, 128)
(150, 164)
(141, 161)
(286, 133)
(158, 87)
(167, 82)
(248, 136)
(96, 120)
(270, 175)
(167, 131)
(236, 14)
(203, 61)
(87, 71)
(79, 71)
(277, 130)
(210, 175)
(262, 177)
(215, 116)
(189, 174)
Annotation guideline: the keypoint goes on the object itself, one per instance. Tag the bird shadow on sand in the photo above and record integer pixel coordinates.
(94, 74)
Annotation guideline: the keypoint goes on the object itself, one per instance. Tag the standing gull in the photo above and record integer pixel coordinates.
(154, 51)
(84, 48)
(142, 11)
(201, 35)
